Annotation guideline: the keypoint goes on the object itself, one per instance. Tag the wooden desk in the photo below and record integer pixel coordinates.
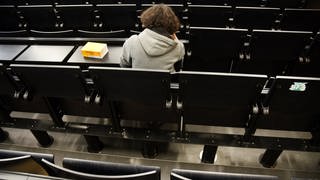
(9, 52)
(111, 59)
(45, 53)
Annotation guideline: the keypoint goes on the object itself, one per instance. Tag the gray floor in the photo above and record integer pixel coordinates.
(173, 155)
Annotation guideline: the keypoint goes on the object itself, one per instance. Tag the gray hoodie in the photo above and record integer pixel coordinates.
(151, 50)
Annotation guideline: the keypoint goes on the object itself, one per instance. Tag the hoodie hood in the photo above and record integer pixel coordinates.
(155, 44)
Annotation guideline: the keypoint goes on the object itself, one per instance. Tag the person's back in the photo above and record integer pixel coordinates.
(157, 47)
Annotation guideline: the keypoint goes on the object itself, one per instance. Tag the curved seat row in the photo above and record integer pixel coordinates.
(19, 164)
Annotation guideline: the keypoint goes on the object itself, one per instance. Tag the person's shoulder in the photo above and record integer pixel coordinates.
(131, 40)
(133, 37)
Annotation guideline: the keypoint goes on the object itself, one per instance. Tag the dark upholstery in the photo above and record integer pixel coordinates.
(87, 169)
(36, 156)
(181, 174)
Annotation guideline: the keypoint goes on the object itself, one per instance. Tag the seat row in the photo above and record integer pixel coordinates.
(20, 164)
(245, 101)
(259, 52)
(121, 20)
(253, 3)
(254, 18)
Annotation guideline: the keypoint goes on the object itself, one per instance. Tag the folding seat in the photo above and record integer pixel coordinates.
(309, 66)
(256, 18)
(76, 17)
(209, 2)
(271, 52)
(40, 2)
(301, 20)
(183, 174)
(115, 17)
(249, 3)
(210, 16)
(87, 169)
(74, 2)
(214, 49)
(286, 3)
(11, 20)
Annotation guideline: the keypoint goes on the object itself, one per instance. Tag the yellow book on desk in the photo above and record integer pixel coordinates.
(94, 50)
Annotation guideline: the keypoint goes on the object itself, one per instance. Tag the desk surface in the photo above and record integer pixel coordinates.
(8, 52)
(45, 53)
(112, 58)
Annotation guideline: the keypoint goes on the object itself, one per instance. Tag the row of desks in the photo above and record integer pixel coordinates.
(55, 54)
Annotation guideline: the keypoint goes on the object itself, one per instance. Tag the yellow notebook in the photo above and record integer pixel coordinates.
(94, 50)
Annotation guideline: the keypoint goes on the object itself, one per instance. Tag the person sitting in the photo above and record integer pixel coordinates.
(157, 46)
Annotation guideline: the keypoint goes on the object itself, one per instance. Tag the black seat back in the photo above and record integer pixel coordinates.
(219, 99)
(140, 93)
(272, 51)
(210, 15)
(255, 17)
(214, 49)
(293, 104)
(301, 20)
(39, 17)
(51, 81)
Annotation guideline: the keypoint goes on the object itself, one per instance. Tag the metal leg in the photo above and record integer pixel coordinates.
(209, 153)
(150, 149)
(54, 111)
(4, 116)
(94, 143)
(270, 157)
(44, 139)
(315, 140)
(3, 135)
(115, 117)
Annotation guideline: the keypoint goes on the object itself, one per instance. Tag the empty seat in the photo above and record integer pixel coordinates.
(253, 3)
(310, 65)
(6, 87)
(208, 2)
(40, 2)
(293, 104)
(272, 51)
(39, 17)
(219, 99)
(256, 18)
(214, 49)
(21, 161)
(75, 2)
(113, 1)
(87, 169)
(127, 87)
(51, 81)
(210, 16)
(62, 85)
(183, 174)
(301, 20)
(76, 17)
(36, 156)
(13, 2)
(117, 17)
(10, 20)
(312, 4)
(286, 3)
(315, 49)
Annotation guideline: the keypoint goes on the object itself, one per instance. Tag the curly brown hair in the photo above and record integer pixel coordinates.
(160, 16)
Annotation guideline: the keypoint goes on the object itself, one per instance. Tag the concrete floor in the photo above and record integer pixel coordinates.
(290, 165)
